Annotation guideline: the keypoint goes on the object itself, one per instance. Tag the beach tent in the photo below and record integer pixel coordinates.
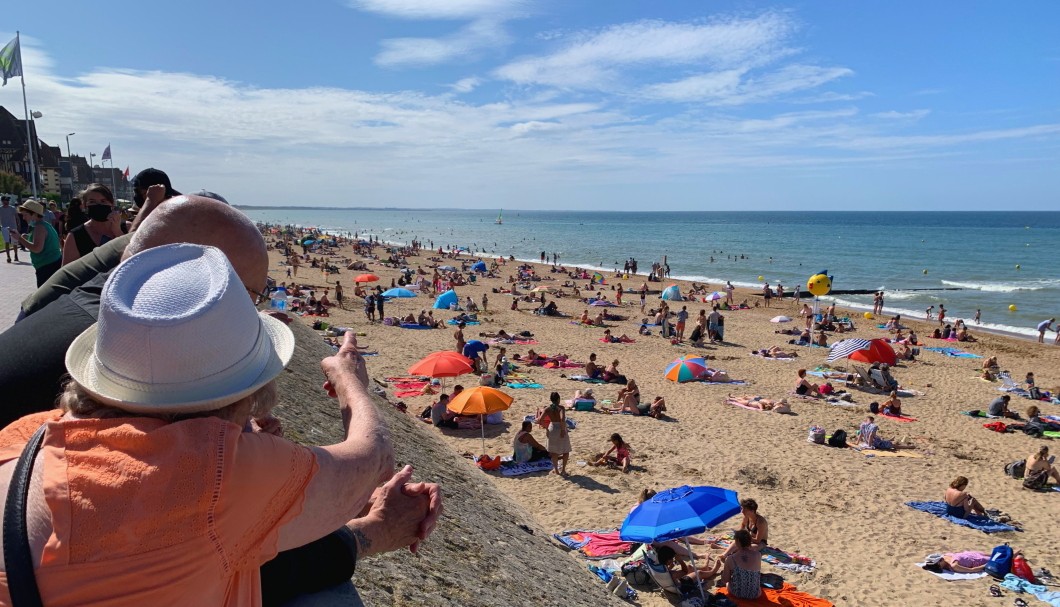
(672, 293)
(879, 351)
(478, 266)
(445, 300)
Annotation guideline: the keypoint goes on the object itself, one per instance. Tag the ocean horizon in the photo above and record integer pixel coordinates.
(987, 260)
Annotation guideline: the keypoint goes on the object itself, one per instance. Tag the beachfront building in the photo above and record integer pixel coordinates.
(14, 152)
(49, 159)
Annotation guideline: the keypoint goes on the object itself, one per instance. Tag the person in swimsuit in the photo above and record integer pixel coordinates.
(742, 572)
(804, 387)
(960, 503)
(957, 562)
(558, 440)
(525, 447)
(893, 405)
(620, 458)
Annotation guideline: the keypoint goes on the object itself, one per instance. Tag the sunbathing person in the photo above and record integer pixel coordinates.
(742, 573)
(821, 340)
(1039, 470)
(525, 447)
(629, 397)
(803, 387)
(611, 374)
(657, 409)
(715, 376)
(585, 318)
(868, 437)
(774, 352)
(892, 406)
(957, 562)
(960, 503)
(759, 402)
(620, 458)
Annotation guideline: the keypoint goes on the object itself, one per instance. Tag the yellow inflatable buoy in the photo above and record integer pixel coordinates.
(1012, 308)
(868, 316)
(760, 279)
(819, 284)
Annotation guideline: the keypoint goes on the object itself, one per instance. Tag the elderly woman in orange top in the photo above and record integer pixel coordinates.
(148, 485)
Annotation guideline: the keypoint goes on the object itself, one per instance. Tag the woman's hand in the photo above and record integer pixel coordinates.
(399, 514)
(346, 368)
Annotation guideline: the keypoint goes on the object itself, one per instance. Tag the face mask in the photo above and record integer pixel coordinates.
(99, 212)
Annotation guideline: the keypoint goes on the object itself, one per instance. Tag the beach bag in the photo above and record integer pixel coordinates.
(636, 573)
(1034, 430)
(874, 408)
(1000, 562)
(584, 405)
(816, 435)
(838, 439)
(1020, 568)
(1034, 393)
(1016, 469)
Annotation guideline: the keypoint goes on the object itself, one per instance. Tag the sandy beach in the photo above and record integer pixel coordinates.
(841, 507)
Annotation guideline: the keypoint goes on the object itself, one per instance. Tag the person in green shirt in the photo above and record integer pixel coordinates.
(45, 252)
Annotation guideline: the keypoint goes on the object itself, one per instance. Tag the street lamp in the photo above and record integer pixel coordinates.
(68, 136)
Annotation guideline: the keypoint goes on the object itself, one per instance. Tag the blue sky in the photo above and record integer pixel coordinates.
(555, 104)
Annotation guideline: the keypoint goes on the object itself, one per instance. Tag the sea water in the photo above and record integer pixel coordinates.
(972, 255)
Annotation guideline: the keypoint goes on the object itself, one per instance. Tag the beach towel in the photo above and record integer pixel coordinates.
(773, 358)
(594, 544)
(1042, 593)
(408, 393)
(586, 379)
(617, 340)
(468, 323)
(510, 468)
(519, 385)
(735, 382)
(954, 352)
(405, 325)
(979, 414)
(882, 453)
(951, 576)
(787, 596)
(898, 418)
(975, 522)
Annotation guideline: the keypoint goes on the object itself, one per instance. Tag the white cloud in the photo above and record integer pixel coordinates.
(894, 115)
(595, 60)
(466, 85)
(464, 44)
(438, 9)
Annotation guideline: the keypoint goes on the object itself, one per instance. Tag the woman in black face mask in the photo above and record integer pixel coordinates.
(104, 223)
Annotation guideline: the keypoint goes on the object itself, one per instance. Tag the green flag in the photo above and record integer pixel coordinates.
(10, 60)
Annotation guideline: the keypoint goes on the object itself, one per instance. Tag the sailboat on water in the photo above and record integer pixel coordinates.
(500, 220)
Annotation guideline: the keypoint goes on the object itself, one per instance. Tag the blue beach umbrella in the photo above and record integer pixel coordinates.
(398, 292)
(478, 266)
(679, 513)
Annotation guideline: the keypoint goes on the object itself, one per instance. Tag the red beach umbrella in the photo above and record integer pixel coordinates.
(879, 351)
(366, 278)
(445, 363)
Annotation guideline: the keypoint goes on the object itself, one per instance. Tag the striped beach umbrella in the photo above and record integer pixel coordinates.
(846, 347)
(715, 296)
(686, 368)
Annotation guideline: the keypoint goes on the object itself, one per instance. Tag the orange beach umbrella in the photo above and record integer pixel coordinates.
(480, 400)
(445, 363)
(366, 278)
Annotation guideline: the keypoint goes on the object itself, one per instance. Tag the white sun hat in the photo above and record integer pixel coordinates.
(177, 333)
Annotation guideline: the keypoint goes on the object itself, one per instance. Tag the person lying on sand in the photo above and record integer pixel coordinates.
(715, 376)
(957, 562)
(774, 352)
(621, 457)
(960, 503)
(615, 340)
(760, 402)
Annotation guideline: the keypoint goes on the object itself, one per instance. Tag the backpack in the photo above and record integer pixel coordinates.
(636, 573)
(1000, 562)
(1016, 469)
(838, 439)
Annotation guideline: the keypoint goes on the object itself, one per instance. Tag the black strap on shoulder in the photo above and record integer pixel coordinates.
(83, 240)
(18, 560)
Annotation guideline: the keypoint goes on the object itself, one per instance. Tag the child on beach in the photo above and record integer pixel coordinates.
(621, 457)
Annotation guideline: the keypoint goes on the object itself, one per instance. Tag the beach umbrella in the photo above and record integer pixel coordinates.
(445, 363)
(672, 293)
(715, 296)
(844, 348)
(878, 351)
(679, 513)
(686, 368)
(308, 241)
(478, 266)
(780, 319)
(447, 268)
(602, 303)
(366, 278)
(398, 292)
(541, 289)
(443, 301)
(597, 277)
(481, 401)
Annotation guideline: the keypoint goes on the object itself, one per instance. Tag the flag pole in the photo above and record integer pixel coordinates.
(25, 108)
(111, 171)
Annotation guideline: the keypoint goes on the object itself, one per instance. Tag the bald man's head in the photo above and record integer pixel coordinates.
(205, 221)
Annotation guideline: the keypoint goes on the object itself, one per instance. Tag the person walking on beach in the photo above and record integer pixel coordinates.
(369, 307)
(485, 303)
(767, 293)
(942, 314)
(728, 293)
(978, 313)
(682, 317)
(928, 312)
(1045, 325)
(643, 299)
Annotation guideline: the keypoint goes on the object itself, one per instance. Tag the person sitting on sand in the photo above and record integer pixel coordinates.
(759, 402)
(960, 503)
(621, 457)
(892, 406)
(1039, 470)
(990, 364)
(936, 334)
(657, 409)
(585, 318)
(999, 408)
(410, 319)
(611, 374)
(821, 340)
(803, 387)
(593, 370)
(868, 437)
(629, 398)
(963, 335)
(1034, 417)
(957, 562)
(600, 318)
(742, 568)
(525, 447)
(441, 417)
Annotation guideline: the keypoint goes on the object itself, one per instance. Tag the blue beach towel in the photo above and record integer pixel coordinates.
(468, 323)
(975, 522)
(516, 386)
(954, 352)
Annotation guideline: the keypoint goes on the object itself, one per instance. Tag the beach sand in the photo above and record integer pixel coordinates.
(842, 508)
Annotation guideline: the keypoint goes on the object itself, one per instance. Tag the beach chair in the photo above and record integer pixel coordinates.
(865, 381)
(1008, 384)
(659, 574)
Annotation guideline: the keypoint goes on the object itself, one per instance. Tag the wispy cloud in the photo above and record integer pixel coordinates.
(734, 87)
(466, 85)
(438, 9)
(895, 115)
